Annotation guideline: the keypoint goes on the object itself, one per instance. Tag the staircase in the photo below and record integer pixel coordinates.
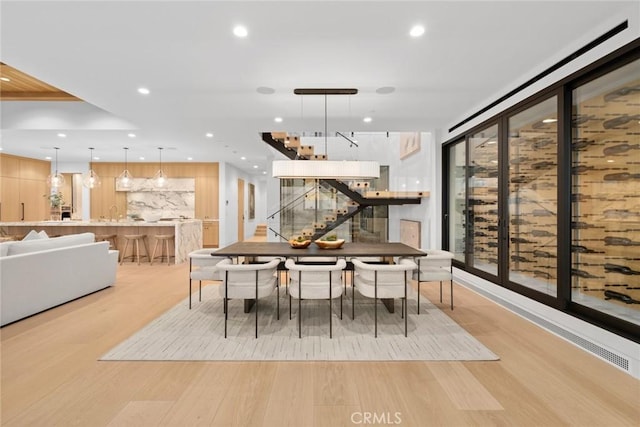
(360, 199)
(261, 230)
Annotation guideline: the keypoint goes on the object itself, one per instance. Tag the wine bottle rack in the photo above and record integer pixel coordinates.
(606, 199)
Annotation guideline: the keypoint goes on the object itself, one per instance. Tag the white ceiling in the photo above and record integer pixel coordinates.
(204, 79)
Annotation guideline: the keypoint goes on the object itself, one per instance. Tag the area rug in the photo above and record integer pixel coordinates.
(181, 334)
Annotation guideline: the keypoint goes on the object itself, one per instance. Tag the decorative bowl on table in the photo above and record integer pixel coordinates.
(330, 244)
(299, 244)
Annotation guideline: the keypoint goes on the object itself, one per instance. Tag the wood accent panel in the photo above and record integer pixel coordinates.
(23, 87)
(205, 174)
(395, 194)
(9, 166)
(22, 187)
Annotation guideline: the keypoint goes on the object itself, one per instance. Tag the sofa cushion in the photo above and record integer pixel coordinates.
(23, 247)
(4, 248)
(32, 235)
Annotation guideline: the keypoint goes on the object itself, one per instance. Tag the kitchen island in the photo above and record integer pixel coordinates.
(188, 232)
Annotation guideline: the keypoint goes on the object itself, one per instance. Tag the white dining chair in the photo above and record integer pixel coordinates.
(248, 282)
(315, 281)
(434, 267)
(202, 266)
(384, 281)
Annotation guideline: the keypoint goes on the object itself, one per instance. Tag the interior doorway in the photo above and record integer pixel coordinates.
(240, 210)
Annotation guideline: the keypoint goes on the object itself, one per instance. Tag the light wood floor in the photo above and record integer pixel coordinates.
(51, 376)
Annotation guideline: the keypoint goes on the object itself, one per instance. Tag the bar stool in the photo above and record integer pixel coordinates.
(111, 238)
(135, 247)
(163, 240)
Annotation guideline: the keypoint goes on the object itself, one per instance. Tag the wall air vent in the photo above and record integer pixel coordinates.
(603, 353)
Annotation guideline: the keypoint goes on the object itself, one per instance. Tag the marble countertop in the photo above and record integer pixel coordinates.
(100, 223)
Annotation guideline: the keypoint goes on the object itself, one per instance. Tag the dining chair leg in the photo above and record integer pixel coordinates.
(418, 286)
(278, 303)
(289, 306)
(405, 305)
(299, 305)
(353, 302)
(451, 294)
(200, 290)
(190, 280)
(330, 303)
(440, 290)
(256, 303)
(375, 305)
(340, 307)
(226, 307)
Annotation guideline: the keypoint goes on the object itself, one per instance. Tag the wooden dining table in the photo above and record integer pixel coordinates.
(385, 250)
(350, 250)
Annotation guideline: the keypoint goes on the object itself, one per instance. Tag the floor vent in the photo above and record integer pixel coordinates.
(591, 347)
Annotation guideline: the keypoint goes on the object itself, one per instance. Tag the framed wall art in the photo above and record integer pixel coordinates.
(409, 144)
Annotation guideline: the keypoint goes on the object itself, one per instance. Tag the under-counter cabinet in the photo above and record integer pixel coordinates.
(210, 234)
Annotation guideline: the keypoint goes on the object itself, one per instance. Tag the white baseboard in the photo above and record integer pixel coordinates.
(617, 351)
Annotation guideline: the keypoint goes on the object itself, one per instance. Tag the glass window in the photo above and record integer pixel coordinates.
(605, 219)
(457, 223)
(533, 197)
(483, 198)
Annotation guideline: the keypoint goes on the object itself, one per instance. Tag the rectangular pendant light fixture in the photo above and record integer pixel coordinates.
(325, 169)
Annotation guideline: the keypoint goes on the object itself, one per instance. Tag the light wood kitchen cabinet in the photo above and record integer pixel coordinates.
(10, 199)
(206, 198)
(210, 234)
(206, 186)
(23, 185)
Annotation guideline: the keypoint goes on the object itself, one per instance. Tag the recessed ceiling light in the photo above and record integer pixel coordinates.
(417, 181)
(96, 158)
(278, 120)
(263, 172)
(131, 135)
(492, 142)
(243, 158)
(144, 91)
(189, 158)
(240, 31)
(367, 120)
(5, 79)
(416, 31)
(385, 90)
(141, 158)
(47, 158)
(265, 90)
(549, 120)
(255, 166)
(62, 135)
(208, 135)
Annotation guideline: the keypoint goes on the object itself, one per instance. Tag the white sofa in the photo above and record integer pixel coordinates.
(36, 275)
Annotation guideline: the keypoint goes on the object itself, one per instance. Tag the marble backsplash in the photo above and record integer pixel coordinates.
(175, 200)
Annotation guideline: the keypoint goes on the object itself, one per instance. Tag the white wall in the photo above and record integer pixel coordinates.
(556, 53)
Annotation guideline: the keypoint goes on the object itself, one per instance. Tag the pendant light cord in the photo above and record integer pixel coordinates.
(325, 125)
